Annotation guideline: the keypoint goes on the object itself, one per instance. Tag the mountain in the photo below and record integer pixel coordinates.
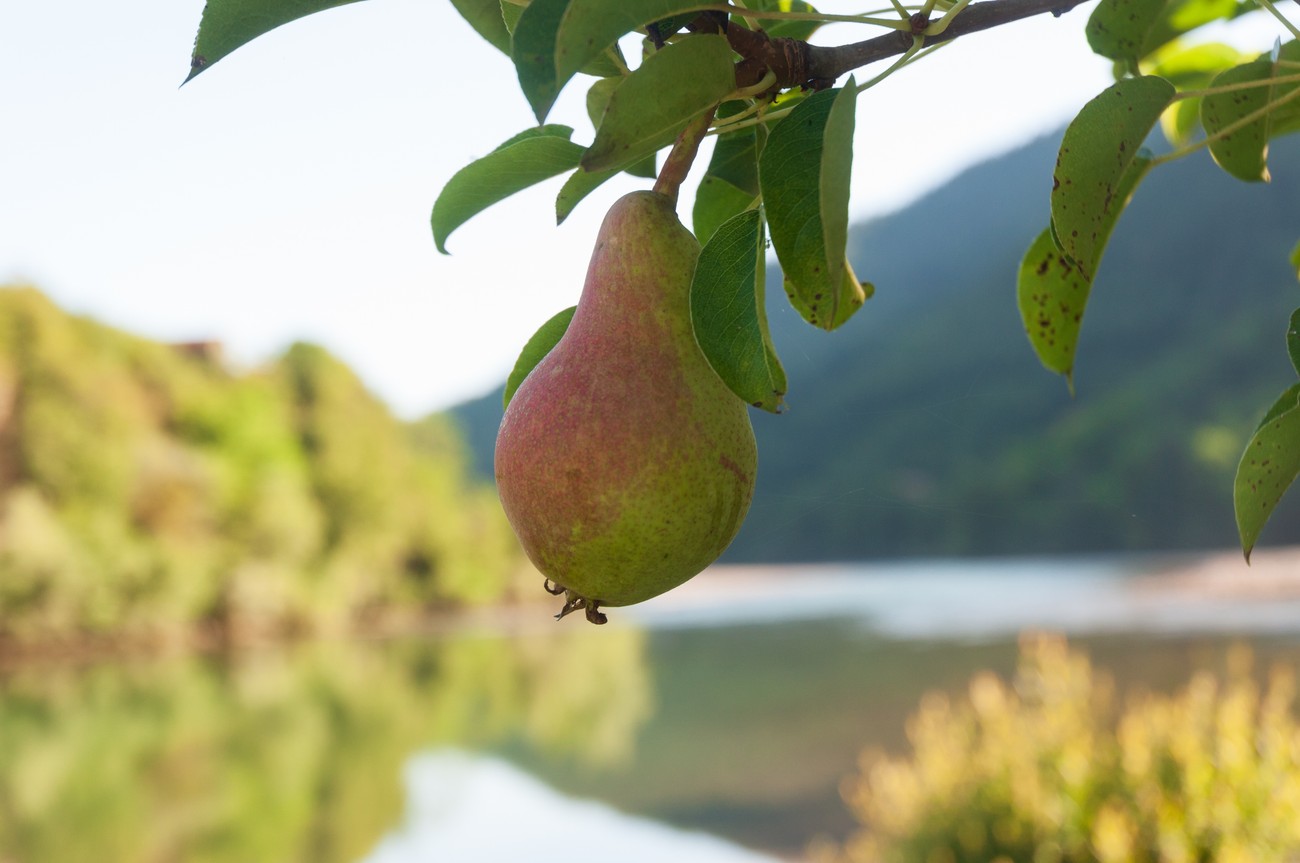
(925, 426)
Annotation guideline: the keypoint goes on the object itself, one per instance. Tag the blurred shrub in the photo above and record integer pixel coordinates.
(146, 489)
(1046, 769)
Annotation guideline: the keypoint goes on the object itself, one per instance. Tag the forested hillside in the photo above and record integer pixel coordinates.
(146, 490)
(925, 426)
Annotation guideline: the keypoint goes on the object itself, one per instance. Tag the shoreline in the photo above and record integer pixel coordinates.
(723, 594)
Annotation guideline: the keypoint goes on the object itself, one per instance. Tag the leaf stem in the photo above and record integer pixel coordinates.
(939, 26)
(725, 124)
(1273, 10)
(680, 158)
(1241, 85)
(754, 121)
(745, 92)
(918, 42)
(1227, 130)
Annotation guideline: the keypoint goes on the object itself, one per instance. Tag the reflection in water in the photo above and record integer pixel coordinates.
(293, 755)
(463, 807)
(298, 754)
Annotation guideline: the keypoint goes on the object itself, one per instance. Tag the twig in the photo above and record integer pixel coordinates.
(682, 155)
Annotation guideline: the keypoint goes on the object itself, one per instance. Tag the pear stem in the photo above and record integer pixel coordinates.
(682, 155)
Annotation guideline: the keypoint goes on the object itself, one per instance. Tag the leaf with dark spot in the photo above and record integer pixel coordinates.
(1243, 152)
(1099, 165)
(1130, 30)
(804, 173)
(1052, 295)
(1269, 465)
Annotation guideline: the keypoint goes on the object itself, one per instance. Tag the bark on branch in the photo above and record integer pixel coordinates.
(798, 64)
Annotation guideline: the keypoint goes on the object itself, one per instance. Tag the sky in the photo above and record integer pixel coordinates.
(284, 194)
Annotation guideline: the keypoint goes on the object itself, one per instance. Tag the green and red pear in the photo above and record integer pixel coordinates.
(623, 462)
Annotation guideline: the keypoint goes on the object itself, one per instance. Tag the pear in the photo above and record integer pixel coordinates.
(625, 465)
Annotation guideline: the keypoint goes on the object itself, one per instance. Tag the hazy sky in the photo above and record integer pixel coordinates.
(285, 193)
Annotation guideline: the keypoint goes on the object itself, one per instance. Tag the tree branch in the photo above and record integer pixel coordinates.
(798, 64)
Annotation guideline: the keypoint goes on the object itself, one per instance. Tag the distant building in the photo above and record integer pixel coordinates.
(207, 351)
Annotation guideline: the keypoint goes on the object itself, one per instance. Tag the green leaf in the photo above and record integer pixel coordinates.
(1188, 68)
(730, 183)
(716, 201)
(537, 347)
(1098, 166)
(1243, 153)
(729, 313)
(1285, 118)
(735, 157)
(1052, 291)
(1180, 121)
(653, 104)
(804, 175)
(590, 26)
(1285, 402)
(1129, 30)
(228, 24)
(526, 159)
(1267, 468)
(607, 63)
(850, 297)
(510, 14)
(551, 130)
(1183, 16)
(645, 168)
(486, 19)
(1192, 67)
(1293, 340)
(1052, 295)
(597, 101)
(583, 182)
(580, 184)
(557, 38)
(533, 51)
(1118, 28)
(1295, 260)
(598, 98)
(781, 27)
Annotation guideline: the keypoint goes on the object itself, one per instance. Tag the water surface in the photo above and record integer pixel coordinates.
(715, 725)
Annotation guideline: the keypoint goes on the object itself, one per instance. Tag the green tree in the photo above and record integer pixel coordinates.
(146, 490)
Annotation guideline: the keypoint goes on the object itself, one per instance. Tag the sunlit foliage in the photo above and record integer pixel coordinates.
(1047, 769)
(147, 489)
